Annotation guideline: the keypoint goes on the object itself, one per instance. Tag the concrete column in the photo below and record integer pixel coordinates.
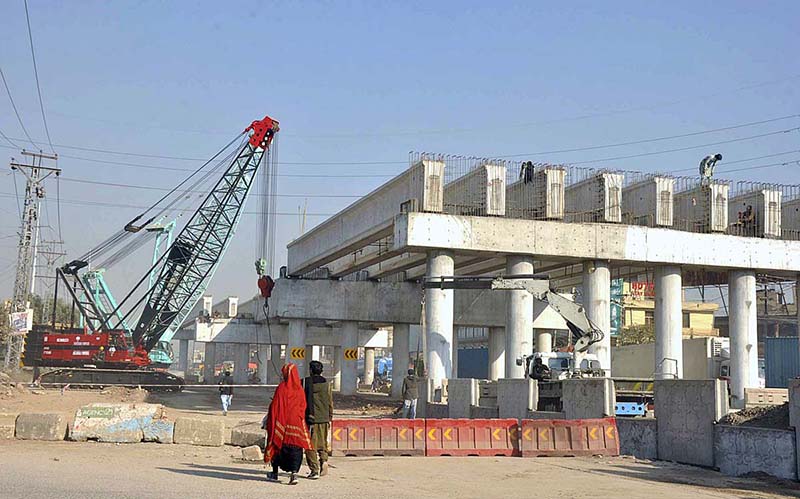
(439, 319)
(349, 367)
(183, 356)
(262, 361)
(597, 302)
(400, 354)
(742, 323)
(544, 340)
(497, 353)
(668, 317)
(336, 375)
(209, 359)
(241, 361)
(297, 339)
(519, 318)
(369, 365)
(455, 353)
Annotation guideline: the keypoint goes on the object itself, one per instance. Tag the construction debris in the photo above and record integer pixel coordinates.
(770, 416)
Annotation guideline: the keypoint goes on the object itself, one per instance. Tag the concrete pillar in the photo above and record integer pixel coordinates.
(336, 375)
(297, 339)
(668, 316)
(183, 356)
(369, 365)
(597, 302)
(241, 361)
(262, 361)
(209, 359)
(349, 366)
(400, 355)
(544, 340)
(275, 365)
(439, 319)
(497, 353)
(742, 322)
(519, 318)
(455, 353)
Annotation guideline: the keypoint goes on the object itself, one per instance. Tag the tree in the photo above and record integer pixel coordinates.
(637, 335)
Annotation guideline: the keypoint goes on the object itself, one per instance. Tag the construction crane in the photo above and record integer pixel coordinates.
(106, 350)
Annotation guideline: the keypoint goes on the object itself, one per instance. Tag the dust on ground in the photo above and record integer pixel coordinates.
(768, 416)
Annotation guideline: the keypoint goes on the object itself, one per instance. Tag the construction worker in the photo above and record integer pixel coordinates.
(319, 414)
(226, 392)
(410, 395)
(540, 371)
(526, 172)
(707, 165)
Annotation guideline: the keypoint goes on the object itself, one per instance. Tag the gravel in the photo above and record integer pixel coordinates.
(769, 416)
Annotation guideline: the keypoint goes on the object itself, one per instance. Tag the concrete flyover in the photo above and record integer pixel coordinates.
(474, 216)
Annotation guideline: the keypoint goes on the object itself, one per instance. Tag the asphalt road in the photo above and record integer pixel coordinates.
(66, 470)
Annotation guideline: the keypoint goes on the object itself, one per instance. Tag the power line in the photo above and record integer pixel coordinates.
(666, 151)
(153, 188)
(346, 163)
(8, 140)
(14, 107)
(36, 74)
(745, 160)
(657, 139)
(131, 206)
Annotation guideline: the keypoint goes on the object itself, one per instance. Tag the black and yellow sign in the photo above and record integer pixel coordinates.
(351, 354)
(297, 353)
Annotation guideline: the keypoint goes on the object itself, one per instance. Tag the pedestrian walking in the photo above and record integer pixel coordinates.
(319, 414)
(287, 434)
(410, 395)
(226, 392)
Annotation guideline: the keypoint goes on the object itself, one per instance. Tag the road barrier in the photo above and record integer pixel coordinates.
(569, 437)
(472, 437)
(378, 437)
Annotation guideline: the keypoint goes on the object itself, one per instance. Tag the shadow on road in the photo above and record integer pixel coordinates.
(221, 472)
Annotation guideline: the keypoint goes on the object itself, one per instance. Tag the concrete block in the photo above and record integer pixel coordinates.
(588, 398)
(424, 386)
(248, 435)
(515, 397)
(686, 411)
(477, 412)
(436, 411)
(161, 431)
(794, 403)
(207, 432)
(765, 396)
(252, 453)
(739, 450)
(32, 426)
(545, 415)
(117, 423)
(462, 395)
(7, 424)
(638, 437)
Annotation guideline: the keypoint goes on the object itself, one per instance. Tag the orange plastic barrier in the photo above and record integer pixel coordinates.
(378, 437)
(569, 437)
(471, 437)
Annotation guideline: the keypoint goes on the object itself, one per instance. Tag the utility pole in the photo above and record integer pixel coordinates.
(25, 280)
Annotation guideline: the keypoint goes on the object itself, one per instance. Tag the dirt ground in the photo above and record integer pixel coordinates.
(771, 416)
(92, 470)
(249, 404)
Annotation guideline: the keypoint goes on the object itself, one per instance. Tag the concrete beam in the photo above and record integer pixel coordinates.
(610, 242)
(278, 334)
(362, 258)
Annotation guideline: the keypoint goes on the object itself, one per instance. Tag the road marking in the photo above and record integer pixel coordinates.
(336, 434)
(593, 433)
(527, 434)
(402, 433)
(353, 433)
(447, 434)
(543, 433)
(496, 433)
(351, 354)
(610, 432)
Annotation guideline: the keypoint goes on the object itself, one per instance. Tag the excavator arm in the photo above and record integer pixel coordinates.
(584, 332)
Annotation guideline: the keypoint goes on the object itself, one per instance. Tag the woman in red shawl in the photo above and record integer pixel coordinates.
(287, 434)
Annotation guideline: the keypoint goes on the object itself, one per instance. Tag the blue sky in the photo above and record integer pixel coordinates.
(369, 81)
